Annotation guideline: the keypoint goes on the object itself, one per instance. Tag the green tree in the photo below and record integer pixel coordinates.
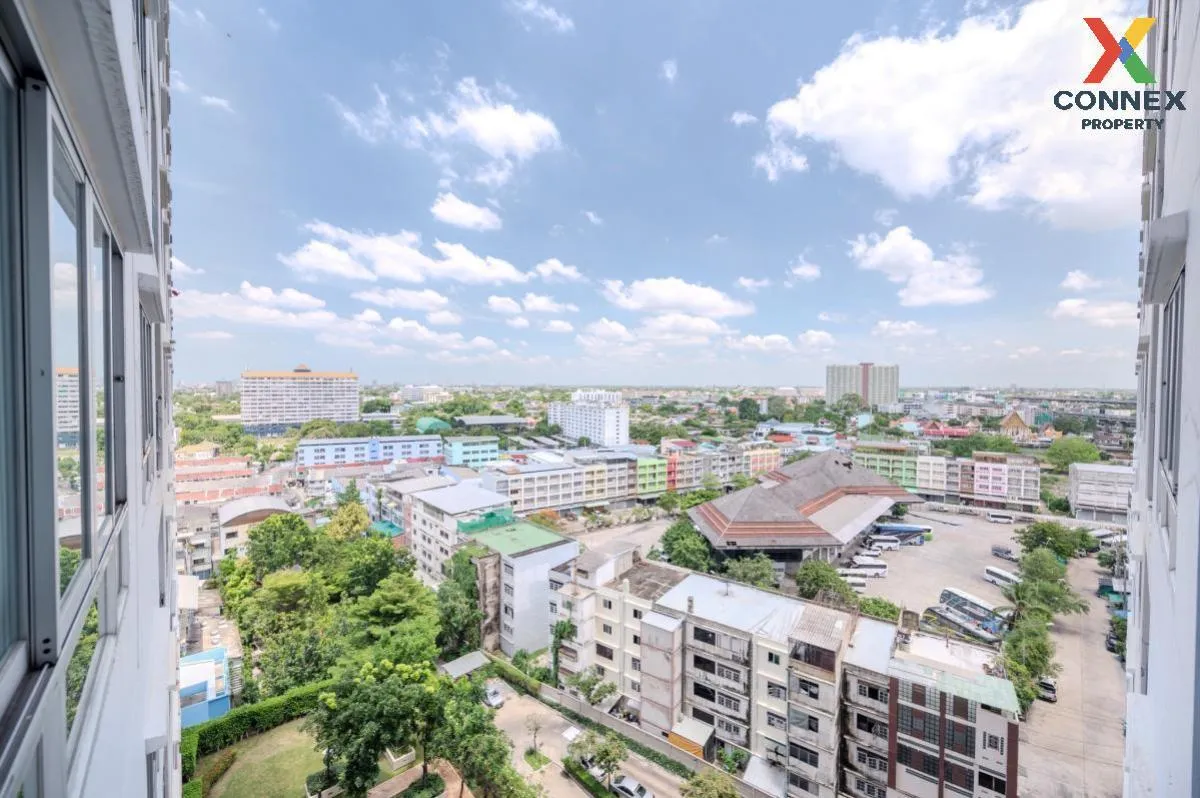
(610, 752)
(778, 407)
(515, 407)
(68, 471)
(458, 607)
(757, 570)
(669, 502)
(68, 564)
(584, 441)
(709, 783)
(360, 564)
(302, 655)
(349, 521)
(816, 576)
(1029, 643)
(377, 405)
(349, 495)
(400, 618)
(747, 409)
(878, 607)
(1061, 540)
(467, 737)
(1070, 449)
(743, 481)
(592, 685)
(684, 546)
(561, 632)
(522, 660)
(965, 447)
(281, 541)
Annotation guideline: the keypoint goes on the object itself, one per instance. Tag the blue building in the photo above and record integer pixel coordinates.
(203, 687)
(472, 450)
(351, 451)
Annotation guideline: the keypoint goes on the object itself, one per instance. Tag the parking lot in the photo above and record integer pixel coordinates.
(1070, 749)
(513, 720)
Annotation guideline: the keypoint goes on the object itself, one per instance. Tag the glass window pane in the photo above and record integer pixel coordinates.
(8, 244)
(98, 368)
(65, 343)
(81, 662)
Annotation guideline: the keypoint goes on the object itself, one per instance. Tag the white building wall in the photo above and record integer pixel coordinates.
(600, 416)
(285, 399)
(1162, 747)
(527, 610)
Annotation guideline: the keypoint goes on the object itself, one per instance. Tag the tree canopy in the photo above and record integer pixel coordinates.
(709, 783)
(965, 447)
(1070, 449)
(757, 570)
(684, 546)
(816, 576)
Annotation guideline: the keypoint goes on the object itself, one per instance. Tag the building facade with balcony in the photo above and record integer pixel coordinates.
(274, 401)
(600, 416)
(85, 287)
(877, 385)
(313, 452)
(442, 518)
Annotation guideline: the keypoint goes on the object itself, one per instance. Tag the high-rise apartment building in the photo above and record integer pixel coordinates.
(85, 343)
(600, 416)
(875, 384)
(273, 401)
(1162, 746)
(829, 703)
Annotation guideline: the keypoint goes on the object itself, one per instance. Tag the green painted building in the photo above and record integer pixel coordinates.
(894, 463)
(651, 477)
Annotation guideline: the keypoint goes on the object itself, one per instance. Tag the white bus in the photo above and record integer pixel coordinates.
(870, 566)
(1000, 577)
(884, 542)
(1000, 518)
(857, 584)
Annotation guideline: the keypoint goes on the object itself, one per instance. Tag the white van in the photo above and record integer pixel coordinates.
(870, 566)
(1000, 518)
(884, 542)
(857, 583)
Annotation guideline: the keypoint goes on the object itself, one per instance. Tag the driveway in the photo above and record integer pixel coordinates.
(513, 718)
(645, 534)
(1075, 748)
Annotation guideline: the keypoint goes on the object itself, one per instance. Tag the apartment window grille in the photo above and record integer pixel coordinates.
(704, 636)
(777, 691)
(607, 604)
(870, 790)
(814, 655)
(508, 590)
(809, 688)
(728, 727)
(799, 719)
(904, 755)
(996, 784)
(637, 640)
(805, 755)
(801, 783)
(777, 721)
(726, 672)
(637, 615)
(606, 629)
(704, 691)
(729, 702)
(872, 692)
(703, 664)
(870, 725)
(703, 717)
(635, 686)
(959, 776)
(960, 738)
(774, 658)
(918, 724)
(993, 742)
(635, 663)
(871, 761)
(604, 651)
(1171, 384)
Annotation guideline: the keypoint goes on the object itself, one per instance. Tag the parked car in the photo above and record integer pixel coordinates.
(589, 764)
(1048, 690)
(629, 787)
(493, 697)
(1110, 642)
(1004, 553)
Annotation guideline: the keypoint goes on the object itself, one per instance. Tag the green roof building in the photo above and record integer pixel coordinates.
(428, 425)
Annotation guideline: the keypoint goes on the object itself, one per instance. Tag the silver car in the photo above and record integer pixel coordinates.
(493, 698)
(628, 787)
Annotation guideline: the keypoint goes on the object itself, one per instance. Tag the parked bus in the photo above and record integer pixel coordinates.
(896, 530)
(973, 607)
(1000, 518)
(961, 624)
(883, 542)
(1000, 577)
(870, 566)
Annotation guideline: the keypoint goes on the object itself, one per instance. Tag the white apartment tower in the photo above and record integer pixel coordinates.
(272, 401)
(876, 384)
(1162, 747)
(85, 343)
(600, 416)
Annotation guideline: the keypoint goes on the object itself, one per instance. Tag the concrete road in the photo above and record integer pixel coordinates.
(513, 720)
(645, 534)
(1075, 748)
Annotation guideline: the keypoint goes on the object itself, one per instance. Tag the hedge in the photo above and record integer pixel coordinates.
(521, 681)
(188, 740)
(585, 779)
(430, 786)
(215, 768)
(251, 719)
(193, 789)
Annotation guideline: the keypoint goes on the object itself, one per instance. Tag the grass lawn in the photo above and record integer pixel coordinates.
(270, 765)
(536, 759)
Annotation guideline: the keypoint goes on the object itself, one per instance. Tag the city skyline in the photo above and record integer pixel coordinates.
(555, 218)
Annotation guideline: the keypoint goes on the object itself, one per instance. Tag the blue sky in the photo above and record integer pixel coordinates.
(519, 191)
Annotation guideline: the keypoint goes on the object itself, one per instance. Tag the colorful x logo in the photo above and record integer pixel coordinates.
(1123, 50)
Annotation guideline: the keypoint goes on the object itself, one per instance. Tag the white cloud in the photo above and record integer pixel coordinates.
(553, 269)
(519, 322)
(238, 309)
(269, 20)
(661, 294)
(217, 102)
(832, 317)
(371, 126)
(1070, 352)
(669, 70)
(908, 111)
(558, 326)
(780, 157)
(212, 335)
(803, 270)
(177, 84)
(533, 11)
(426, 299)
(815, 340)
(413, 332)
(201, 17)
(443, 318)
(901, 329)
(678, 329)
(287, 298)
(1025, 351)
(740, 118)
(340, 252)
(953, 280)
(751, 284)
(885, 216)
(540, 303)
(761, 343)
(716, 238)
(1098, 314)
(450, 209)
(1079, 280)
(494, 174)
(181, 269)
(368, 316)
(503, 304)
(593, 217)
